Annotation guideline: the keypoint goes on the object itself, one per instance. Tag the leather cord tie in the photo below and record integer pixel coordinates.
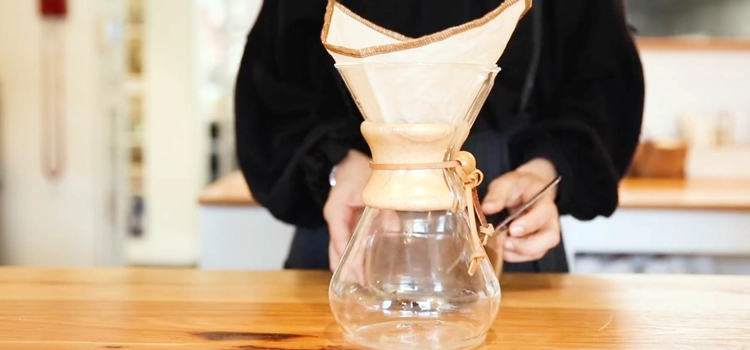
(465, 166)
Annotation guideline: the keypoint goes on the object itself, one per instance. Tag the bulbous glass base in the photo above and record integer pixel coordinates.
(404, 284)
(411, 335)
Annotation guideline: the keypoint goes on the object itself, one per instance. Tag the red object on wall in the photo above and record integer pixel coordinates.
(53, 8)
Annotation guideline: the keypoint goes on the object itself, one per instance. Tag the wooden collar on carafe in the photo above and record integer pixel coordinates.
(466, 166)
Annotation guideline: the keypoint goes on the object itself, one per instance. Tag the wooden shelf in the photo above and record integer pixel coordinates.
(681, 194)
(635, 193)
(692, 44)
(230, 190)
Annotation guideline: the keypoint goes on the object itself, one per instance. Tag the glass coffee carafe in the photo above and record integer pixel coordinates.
(416, 272)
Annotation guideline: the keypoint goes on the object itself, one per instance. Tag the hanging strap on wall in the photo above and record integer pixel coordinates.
(53, 137)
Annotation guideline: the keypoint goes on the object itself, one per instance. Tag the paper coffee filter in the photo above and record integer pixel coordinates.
(434, 78)
(415, 93)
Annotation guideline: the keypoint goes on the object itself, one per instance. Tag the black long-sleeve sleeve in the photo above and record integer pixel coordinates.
(293, 121)
(591, 125)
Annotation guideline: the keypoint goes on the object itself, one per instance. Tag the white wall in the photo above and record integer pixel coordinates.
(175, 162)
(725, 18)
(698, 83)
(66, 222)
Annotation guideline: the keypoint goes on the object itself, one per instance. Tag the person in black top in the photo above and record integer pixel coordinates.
(568, 101)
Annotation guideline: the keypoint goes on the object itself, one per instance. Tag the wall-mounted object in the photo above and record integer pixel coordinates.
(53, 8)
(53, 83)
(63, 161)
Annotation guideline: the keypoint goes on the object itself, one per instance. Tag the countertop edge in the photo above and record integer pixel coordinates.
(229, 190)
(685, 194)
(635, 193)
(646, 43)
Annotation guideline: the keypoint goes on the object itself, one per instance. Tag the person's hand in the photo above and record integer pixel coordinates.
(537, 231)
(344, 204)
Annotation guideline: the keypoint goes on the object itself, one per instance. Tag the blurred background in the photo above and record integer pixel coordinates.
(116, 141)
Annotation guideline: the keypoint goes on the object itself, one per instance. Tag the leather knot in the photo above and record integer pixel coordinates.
(472, 178)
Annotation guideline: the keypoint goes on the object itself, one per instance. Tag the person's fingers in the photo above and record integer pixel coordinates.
(333, 257)
(532, 187)
(355, 218)
(390, 220)
(338, 217)
(358, 263)
(496, 198)
(534, 232)
(339, 232)
(497, 193)
(344, 205)
(534, 246)
(533, 220)
(505, 191)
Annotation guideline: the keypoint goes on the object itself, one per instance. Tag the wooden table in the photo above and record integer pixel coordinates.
(192, 309)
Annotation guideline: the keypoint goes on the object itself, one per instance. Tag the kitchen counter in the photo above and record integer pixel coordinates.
(696, 194)
(192, 309)
(229, 190)
(675, 43)
(232, 190)
(668, 217)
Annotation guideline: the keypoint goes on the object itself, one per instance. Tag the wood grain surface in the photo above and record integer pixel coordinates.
(229, 190)
(685, 194)
(692, 44)
(635, 193)
(190, 309)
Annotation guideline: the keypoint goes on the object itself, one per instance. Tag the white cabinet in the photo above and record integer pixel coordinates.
(686, 241)
(242, 237)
